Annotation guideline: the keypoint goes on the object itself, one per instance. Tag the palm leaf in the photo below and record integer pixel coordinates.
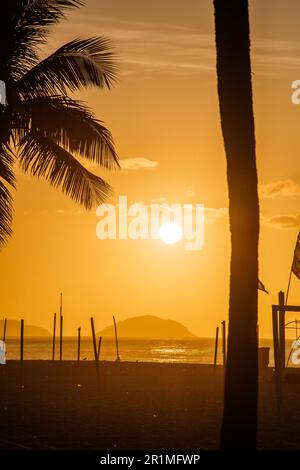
(6, 166)
(24, 25)
(5, 125)
(71, 125)
(7, 177)
(44, 158)
(6, 214)
(89, 62)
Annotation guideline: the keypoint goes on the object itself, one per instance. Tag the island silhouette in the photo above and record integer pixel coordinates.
(148, 327)
(13, 329)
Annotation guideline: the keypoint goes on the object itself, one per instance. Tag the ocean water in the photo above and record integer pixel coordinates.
(199, 350)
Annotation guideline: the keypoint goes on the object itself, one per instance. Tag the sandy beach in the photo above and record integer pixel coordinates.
(127, 405)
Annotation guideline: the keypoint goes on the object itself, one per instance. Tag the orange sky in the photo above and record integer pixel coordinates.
(164, 117)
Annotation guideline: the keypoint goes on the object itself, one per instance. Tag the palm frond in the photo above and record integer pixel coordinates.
(6, 166)
(71, 125)
(79, 63)
(24, 25)
(5, 125)
(44, 158)
(6, 214)
(7, 178)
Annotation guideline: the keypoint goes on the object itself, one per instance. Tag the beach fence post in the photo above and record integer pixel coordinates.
(61, 328)
(277, 359)
(275, 338)
(78, 344)
(94, 340)
(281, 314)
(22, 341)
(216, 346)
(99, 347)
(61, 338)
(53, 340)
(224, 341)
(117, 342)
(4, 330)
(61, 304)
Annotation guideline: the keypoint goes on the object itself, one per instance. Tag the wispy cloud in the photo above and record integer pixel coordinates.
(172, 48)
(143, 45)
(281, 188)
(275, 55)
(137, 163)
(282, 221)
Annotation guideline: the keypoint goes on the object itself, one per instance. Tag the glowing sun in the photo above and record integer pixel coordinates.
(170, 233)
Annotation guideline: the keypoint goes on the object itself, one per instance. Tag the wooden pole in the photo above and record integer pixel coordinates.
(99, 348)
(61, 304)
(61, 329)
(275, 337)
(224, 341)
(78, 344)
(276, 358)
(61, 338)
(53, 340)
(94, 340)
(4, 330)
(117, 342)
(289, 285)
(281, 314)
(216, 346)
(22, 341)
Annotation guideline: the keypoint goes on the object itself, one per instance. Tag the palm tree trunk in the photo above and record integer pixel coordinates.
(236, 110)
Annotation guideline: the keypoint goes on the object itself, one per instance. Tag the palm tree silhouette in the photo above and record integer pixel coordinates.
(41, 128)
(236, 110)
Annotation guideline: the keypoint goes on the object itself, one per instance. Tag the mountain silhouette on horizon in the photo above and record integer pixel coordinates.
(13, 329)
(148, 327)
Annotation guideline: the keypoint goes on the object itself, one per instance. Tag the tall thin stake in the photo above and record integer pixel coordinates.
(99, 347)
(53, 339)
(78, 344)
(288, 287)
(216, 346)
(61, 328)
(117, 342)
(61, 304)
(277, 360)
(61, 338)
(224, 341)
(22, 341)
(281, 314)
(94, 340)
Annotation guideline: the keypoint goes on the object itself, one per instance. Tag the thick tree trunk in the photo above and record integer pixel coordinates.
(236, 110)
